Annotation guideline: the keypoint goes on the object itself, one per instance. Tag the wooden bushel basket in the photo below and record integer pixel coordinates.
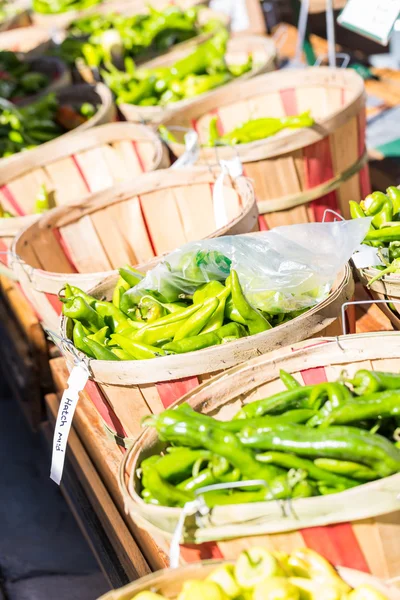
(363, 522)
(262, 48)
(31, 40)
(84, 163)
(169, 582)
(299, 173)
(130, 223)
(55, 69)
(387, 288)
(133, 389)
(130, 7)
(125, 7)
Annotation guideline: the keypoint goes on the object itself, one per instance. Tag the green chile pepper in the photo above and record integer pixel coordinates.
(121, 287)
(208, 290)
(166, 493)
(217, 319)
(342, 467)
(291, 461)
(343, 443)
(121, 354)
(254, 319)
(191, 344)
(197, 321)
(100, 336)
(70, 292)
(393, 268)
(368, 382)
(280, 402)
(356, 212)
(378, 206)
(137, 350)
(394, 251)
(99, 350)
(232, 314)
(178, 464)
(113, 317)
(79, 310)
(288, 380)
(394, 194)
(374, 406)
(79, 333)
(179, 428)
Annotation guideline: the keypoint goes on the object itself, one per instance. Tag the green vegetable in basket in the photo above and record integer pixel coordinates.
(257, 129)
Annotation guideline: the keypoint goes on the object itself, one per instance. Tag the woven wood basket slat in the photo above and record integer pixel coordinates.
(297, 174)
(373, 538)
(133, 389)
(238, 50)
(131, 223)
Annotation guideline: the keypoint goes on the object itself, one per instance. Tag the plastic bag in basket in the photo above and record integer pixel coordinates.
(286, 269)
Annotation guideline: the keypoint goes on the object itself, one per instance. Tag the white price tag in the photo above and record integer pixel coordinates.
(191, 153)
(366, 256)
(76, 382)
(234, 168)
(236, 9)
(371, 18)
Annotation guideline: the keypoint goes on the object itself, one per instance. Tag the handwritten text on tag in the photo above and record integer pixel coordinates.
(76, 382)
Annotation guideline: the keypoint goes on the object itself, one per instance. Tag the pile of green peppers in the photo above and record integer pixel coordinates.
(29, 126)
(54, 7)
(199, 72)
(384, 232)
(305, 441)
(101, 39)
(153, 325)
(17, 79)
(256, 129)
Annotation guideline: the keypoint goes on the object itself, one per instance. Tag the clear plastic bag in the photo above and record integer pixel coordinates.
(286, 269)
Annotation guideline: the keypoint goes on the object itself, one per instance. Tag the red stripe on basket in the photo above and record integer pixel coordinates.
(169, 391)
(58, 235)
(3, 248)
(194, 553)
(289, 101)
(313, 376)
(342, 96)
(365, 184)
(318, 168)
(338, 544)
(11, 199)
(194, 124)
(104, 409)
(55, 302)
(139, 158)
(81, 173)
(146, 226)
(262, 224)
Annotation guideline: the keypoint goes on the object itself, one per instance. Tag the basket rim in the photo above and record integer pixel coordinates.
(285, 141)
(167, 368)
(212, 389)
(103, 115)
(78, 141)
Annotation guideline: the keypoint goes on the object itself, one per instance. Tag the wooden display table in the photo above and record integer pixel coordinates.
(125, 551)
